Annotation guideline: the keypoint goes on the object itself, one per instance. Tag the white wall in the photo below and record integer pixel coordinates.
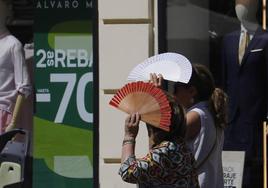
(126, 38)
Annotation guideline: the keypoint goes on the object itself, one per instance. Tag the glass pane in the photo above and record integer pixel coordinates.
(227, 37)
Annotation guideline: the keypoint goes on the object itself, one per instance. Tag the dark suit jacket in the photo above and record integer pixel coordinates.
(246, 86)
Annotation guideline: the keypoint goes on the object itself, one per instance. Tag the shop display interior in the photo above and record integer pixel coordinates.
(21, 22)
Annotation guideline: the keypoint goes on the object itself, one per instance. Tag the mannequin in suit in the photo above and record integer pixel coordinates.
(14, 78)
(245, 80)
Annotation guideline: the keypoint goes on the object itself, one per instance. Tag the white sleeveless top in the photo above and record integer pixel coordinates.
(210, 173)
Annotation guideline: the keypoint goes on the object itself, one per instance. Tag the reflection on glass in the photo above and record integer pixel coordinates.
(227, 37)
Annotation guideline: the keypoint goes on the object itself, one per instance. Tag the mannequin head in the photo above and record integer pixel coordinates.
(4, 13)
(246, 11)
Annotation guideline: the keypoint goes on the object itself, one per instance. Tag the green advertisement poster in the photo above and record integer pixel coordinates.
(63, 122)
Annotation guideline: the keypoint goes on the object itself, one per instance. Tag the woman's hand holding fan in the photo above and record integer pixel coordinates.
(156, 80)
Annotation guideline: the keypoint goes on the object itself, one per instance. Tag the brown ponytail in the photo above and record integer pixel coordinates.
(218, 107)
(203, 81)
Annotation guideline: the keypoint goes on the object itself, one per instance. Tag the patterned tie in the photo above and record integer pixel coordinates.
(243, 45)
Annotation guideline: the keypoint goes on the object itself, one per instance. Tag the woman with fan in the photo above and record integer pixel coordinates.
(169, 162)
(206, 119)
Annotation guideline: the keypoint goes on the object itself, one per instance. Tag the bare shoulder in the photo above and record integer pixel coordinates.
(192, 117)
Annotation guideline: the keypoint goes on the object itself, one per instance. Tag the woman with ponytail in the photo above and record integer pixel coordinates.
(206, 108)
(206, 120)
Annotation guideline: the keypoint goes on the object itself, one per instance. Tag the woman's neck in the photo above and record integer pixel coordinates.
(156, 138)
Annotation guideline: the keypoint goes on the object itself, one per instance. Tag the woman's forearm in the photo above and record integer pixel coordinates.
(131, 132)
(128, 148)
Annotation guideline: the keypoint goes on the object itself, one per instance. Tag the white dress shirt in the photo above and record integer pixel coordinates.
(14, 75)
(243, 31)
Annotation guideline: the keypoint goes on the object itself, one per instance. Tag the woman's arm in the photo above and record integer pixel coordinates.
(193, 123)
(131, 131)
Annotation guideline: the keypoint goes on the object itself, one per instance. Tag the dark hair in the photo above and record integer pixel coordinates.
(178, 119)
(203, 81)
(177, 126)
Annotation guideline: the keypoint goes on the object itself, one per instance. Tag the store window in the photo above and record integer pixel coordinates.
(196, 28)
(21, 21)
(46, 90)
(229, 37)
(16, 92)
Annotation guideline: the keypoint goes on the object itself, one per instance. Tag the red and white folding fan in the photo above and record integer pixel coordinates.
(146, 99)
(174, 67)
